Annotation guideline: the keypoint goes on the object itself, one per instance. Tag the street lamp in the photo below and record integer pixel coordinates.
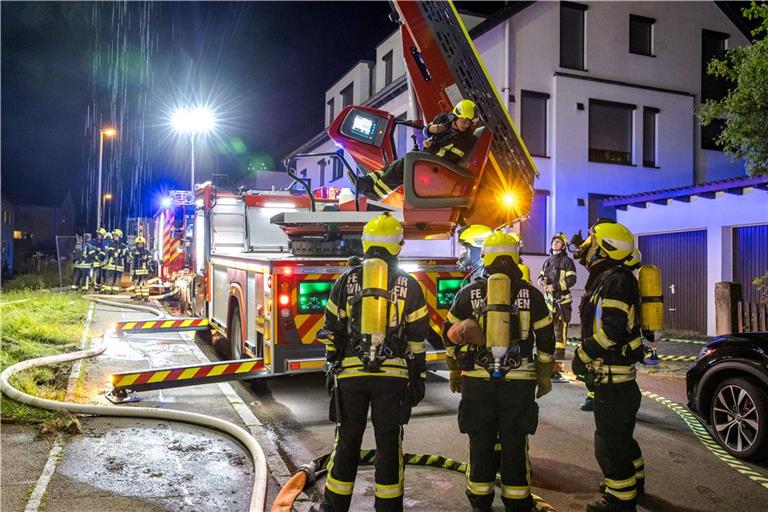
(193, 121)
(105, 132)
(104, 198)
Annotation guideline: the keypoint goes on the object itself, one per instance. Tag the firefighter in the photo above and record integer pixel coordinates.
(140, 264)
(108, 268)
(557, 277)
(610, 347)
(633, 264)
(376, 324)
(119, 253)
(490, 333)
(97, 257)
(449, 136)
(82, 267)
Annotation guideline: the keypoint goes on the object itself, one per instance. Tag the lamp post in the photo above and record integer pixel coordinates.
(105, 132)
(193, 121)
(104, 198)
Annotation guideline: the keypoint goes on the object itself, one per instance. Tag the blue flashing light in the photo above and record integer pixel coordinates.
(167, 202)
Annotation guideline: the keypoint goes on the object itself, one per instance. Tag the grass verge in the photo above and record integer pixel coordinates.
(36, 324)
(46, 279)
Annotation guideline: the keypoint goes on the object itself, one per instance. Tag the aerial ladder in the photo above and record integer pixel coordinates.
(491, 185)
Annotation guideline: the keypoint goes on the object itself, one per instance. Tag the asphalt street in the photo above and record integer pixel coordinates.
(682, 474)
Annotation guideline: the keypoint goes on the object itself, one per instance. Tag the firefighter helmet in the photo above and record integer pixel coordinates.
(561, 237)
(139, 240)
(474, 235)
(118, 233)
(383, 231)
(615, 239)
(101, 231)
(498, 244)
(465, 109)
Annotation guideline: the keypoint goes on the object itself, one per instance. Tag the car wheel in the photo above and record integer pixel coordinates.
(739, 417)
(236, 336)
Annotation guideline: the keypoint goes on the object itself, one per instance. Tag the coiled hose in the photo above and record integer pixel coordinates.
(310, 473)
(259, 492)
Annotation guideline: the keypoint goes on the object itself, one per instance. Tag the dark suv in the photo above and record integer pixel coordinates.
(728, 390)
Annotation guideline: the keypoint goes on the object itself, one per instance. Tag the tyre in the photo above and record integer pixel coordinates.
(739, 417)
(235, 335)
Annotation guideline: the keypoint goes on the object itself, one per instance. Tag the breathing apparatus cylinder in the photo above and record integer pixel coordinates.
(651, 298)
(373, 321)
(498, 318)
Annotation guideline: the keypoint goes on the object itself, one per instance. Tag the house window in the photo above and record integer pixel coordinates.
(337, 169)
(710, 133)
(650, 117)
(534, 230)
(331, 113)
(641, 35)
(713, 46)
(533, 121)
(387, 59)
(572, 35)
(610, 132)
(346, 96)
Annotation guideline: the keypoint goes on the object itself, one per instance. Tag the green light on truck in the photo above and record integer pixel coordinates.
(313, 296)
(447, 289)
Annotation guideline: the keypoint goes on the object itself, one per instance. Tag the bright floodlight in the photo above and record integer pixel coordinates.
(167, 202)
(109, 132)
(193, 120)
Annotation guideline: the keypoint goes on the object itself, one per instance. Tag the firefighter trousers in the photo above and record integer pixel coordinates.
(140, 288)
(80, 281)
(507, 409)
(384, 396)
(561, 317)
(616, 450)
(377, 185)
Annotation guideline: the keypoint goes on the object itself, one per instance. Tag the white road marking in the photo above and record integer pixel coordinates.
(54, 456)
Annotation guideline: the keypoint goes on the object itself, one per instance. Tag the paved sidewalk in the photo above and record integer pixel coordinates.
(137, 465)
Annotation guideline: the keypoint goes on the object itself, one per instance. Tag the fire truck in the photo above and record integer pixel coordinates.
(260, 264)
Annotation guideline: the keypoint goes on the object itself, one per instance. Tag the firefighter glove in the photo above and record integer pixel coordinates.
(417, 390)
(454, 378)
(466, 332)
(543, 377)
(579, 363)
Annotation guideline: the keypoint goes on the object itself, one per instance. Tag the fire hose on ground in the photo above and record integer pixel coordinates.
(310, 473)
(258, 495)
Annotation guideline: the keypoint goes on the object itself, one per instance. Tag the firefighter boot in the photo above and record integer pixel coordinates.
(588, 404)
(640, 487)
(603, 504)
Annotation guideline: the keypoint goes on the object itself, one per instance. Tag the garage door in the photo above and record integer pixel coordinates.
(682, 259)
(750, 257)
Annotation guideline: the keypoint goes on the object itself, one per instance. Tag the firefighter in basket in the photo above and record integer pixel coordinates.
(611, 345)
(375, 328)
(449, 135)
(490, 335)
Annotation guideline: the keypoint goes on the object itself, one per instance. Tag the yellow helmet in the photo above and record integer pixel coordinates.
(474, 235)
(465, 109)
(383, 231)
(526, 270)
(117, 232)
(560, 236)
(498, 244)
(139, 240)
(101, 231)
(615, 239)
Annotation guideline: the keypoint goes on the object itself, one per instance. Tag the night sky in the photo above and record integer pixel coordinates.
(69, 68)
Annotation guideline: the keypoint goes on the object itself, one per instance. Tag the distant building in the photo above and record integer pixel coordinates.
(604, 95)
(8, 214)
(36, 229)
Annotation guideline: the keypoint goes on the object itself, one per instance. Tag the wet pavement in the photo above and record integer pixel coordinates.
(143, 465)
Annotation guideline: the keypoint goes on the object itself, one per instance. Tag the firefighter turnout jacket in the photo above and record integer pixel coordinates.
(80, 255)
(560, 272)
(531, 325)
(610, 331)
(140, 262)
(407, 328)
(450, 144)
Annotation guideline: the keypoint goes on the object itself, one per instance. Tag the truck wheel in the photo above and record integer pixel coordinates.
(739, 416)
(235, 336)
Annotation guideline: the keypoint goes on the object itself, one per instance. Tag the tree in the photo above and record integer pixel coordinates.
(745, 107)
